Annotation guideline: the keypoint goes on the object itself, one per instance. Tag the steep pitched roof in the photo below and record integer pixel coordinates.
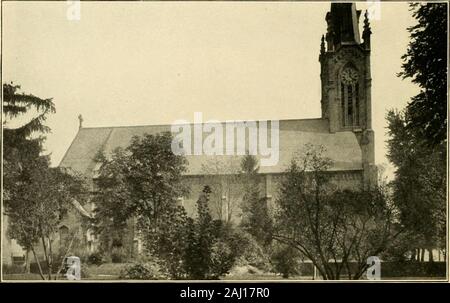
(341, 147)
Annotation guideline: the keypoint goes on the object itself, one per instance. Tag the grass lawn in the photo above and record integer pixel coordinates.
(22, 277)
(111, 271)
(107, 271)
(112, 277)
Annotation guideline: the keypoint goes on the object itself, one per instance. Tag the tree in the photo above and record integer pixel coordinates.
(143, 182)
(256, 219)
(420, 183)
(112, 201)
(332, 227)
(38, 206)
(35, 195)
(170, 242)
(212, 245)
(425, 62)
(16, 105)
(201, 239)
(20, 150)
(223, 178)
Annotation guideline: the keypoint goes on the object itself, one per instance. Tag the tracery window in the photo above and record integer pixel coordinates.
(350, 97)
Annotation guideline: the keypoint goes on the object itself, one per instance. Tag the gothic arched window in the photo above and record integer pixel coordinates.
(349, 97)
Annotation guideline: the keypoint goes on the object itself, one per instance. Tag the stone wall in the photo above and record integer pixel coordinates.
(228, 190)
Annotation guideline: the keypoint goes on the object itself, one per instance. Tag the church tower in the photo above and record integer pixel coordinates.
(346, 79)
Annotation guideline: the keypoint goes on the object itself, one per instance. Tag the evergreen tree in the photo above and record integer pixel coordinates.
(425, 62)
(35, 196)
(201, 239)
(22, 145)
(256, 219)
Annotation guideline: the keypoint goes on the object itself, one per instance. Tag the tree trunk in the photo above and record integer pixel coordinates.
(359, 272)
(50, 254)
(64, 256)
(422, 255)
(38, 264)
(49, 269)
(27, 261)
(430, 253)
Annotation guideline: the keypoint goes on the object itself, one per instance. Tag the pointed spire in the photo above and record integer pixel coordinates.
(366, 23)
(322, 45)
(366, 31)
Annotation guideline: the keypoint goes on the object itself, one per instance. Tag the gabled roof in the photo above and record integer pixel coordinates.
(341, 147)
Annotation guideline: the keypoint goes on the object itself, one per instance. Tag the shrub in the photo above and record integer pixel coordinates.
(143, 271)
(286, 261)
(13, 269)
(248, 251)
(95, 258)
(413, 269)
(85, 274)
(222, 259)
(118, 255)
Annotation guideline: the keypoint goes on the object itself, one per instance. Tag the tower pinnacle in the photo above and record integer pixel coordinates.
(367, 31)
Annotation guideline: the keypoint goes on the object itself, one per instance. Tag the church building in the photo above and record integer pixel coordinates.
(344, 128)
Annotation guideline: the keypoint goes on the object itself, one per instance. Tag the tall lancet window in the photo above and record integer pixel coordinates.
(349, 97)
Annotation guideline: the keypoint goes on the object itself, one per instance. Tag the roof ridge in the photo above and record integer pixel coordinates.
(206, 122)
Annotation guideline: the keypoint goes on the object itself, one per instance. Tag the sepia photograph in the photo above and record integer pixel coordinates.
(233, 141)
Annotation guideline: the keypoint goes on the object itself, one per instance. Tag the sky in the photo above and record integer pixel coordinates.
(144, 63)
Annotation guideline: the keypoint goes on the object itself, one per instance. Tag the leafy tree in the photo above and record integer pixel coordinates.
(418, 135)
(112, 201)
(35, 195)
(222, 176)
(143, 182)
(425, 62)
(330, 226)
(256, 219)
(154, 176)
(420, 183)
(38, 207)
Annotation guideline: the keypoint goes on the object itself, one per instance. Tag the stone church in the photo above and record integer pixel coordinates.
(344, 128)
